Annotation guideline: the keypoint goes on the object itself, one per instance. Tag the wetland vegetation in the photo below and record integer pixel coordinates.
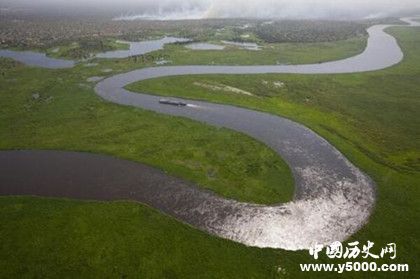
(372, 118)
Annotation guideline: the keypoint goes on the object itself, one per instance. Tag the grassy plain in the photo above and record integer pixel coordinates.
(370, 117)
(284, 53)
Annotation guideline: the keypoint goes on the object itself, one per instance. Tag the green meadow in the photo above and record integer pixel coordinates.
(284, 53)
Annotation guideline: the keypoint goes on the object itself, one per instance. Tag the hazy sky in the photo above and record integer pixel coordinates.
(173, 9)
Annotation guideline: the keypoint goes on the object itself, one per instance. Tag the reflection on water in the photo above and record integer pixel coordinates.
(204, 46)
(208, 46)
(247, 46)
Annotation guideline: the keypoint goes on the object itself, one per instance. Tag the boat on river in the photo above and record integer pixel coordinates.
(172, 102)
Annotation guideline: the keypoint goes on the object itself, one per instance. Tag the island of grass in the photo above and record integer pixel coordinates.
(85, 48)
(269, 53)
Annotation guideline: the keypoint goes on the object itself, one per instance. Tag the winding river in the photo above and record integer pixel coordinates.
(333, 198)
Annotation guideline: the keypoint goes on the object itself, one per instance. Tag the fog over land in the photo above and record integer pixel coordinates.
(198, 9)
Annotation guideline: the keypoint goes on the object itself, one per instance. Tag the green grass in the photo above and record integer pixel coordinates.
(83, 48)
(284, 53)
(51, 238)
(47, 238)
